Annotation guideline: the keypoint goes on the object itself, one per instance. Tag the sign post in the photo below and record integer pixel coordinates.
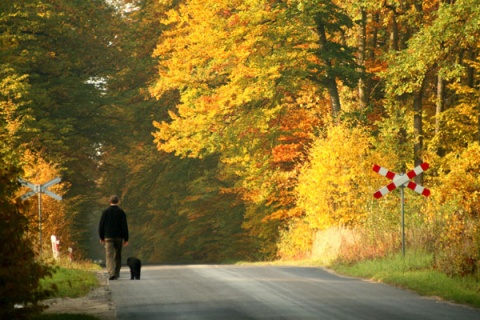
(39, 189)
(402, 181)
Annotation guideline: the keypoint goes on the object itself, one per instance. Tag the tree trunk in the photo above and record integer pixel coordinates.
(374, 37)
(394, 38)
(478, 118)
(418, 130)
(331, 82)
(362, 44)
(470, 69)
(440, 102)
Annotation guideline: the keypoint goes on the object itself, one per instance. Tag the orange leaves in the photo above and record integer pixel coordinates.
(285, 153)
(219, 73)
(54, 213)
(231, 79)
(296, 132)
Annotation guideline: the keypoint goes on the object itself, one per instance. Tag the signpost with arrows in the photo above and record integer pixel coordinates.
(402, 181)
(39, 189)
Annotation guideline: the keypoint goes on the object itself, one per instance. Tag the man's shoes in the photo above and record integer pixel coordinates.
(112, 278)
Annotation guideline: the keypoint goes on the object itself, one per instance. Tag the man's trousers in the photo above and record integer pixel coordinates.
(113, 252)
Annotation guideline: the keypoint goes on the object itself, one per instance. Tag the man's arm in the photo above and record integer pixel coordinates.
(101, 228)
(125, 229)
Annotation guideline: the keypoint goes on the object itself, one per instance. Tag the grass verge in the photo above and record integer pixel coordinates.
(65, 317)
(71, 283)
(72, 280)
(415, 272)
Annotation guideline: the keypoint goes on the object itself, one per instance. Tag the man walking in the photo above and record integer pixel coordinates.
(113, 232)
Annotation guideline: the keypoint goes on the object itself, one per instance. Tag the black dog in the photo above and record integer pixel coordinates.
(135, 266)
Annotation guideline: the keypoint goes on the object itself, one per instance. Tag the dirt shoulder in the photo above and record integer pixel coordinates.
(97, 303)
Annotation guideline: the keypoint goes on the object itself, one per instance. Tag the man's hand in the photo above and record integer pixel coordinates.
(102, 241)
(125, 243)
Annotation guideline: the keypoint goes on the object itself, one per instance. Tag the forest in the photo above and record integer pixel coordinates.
(242, 130)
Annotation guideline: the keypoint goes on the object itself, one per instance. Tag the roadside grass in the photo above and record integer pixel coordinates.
(72, 280)
(415, 272)
(65, 317)
(71, 283)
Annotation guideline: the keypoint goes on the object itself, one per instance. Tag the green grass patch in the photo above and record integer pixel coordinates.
(71, 283)
(72, 280)
(415, 272)
(65, 317)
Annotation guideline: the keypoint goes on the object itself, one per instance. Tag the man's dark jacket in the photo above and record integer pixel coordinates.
(113, 224)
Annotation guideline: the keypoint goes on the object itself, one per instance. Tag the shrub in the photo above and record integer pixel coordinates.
(363, 245)
(351, 245)
(456, 215)
(295, 241)
(20, 273)
(457, 247)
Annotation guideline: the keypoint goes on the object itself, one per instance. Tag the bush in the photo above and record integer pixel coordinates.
(295, 241)
(364, 245)
(457, 247)
(20, 273)
(351, 245)
(456, 213)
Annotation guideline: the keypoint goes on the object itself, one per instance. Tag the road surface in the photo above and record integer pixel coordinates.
(221, 292)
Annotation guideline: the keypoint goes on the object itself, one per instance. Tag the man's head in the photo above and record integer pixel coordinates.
(114, 199)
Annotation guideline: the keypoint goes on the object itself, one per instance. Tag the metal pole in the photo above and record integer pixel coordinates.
(403, 218)
(40, 222)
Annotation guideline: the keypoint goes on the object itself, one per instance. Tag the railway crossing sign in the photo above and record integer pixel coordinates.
(402, 181)
(39, 189)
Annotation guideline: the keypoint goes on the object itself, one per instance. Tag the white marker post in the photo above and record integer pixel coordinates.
(39, 189)
(55, 247)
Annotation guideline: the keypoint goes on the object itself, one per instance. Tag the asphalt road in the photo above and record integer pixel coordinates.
(218, 292)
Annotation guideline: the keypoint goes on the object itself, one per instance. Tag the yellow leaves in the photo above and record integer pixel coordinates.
(332, 188)
(460, 181)
(204, 47)
(170, 137)
(226, 60)
(54, 213)
(297, 242)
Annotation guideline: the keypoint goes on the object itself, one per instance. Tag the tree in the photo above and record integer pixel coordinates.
(241, 85)
(56, 219)
(64, 51)
(332, 185)
(20, 272)
(334, 60)
(429, 50)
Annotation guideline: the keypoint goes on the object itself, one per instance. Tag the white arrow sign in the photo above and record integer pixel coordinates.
(40, 188)
(53, 195)
(401, 180)
(404, 181)
(44, 186)
(26, 183)
(28, 195)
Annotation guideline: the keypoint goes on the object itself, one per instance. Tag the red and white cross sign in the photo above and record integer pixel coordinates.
(401, 180)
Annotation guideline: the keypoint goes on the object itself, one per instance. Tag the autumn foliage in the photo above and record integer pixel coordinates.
(304, 160)
(247, 130)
